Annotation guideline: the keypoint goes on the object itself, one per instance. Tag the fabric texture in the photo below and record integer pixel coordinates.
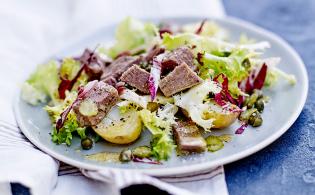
(33, 31)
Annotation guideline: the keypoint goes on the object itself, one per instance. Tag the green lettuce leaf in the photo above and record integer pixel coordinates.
(203, 44)
(42, 84)
(274, 74)
(55, 110)
(162, 143)
(69, 68)
(200, 43)
(230, 66)
(64, 135)
(131, 34)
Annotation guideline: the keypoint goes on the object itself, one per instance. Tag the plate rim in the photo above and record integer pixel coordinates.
(186, 169)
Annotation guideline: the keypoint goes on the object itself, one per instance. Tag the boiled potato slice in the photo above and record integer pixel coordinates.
(222, 117)
(120, 128)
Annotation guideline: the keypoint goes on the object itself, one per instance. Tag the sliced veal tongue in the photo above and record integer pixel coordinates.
(176, 58)
(99, 95)
(188, 137)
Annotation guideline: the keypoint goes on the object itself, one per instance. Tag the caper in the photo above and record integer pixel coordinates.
(142, 152)
(252, 100)
(152, 106)
(244, 116)
(125, 155)
(246, 63)
(255, 119)
(87, 143)
(260, 105)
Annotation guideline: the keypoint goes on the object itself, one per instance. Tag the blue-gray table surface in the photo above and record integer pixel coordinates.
(288, 165)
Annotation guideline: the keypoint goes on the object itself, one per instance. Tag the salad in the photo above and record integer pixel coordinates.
(177, 82)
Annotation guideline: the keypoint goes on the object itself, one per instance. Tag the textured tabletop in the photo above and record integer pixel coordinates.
(288, 165)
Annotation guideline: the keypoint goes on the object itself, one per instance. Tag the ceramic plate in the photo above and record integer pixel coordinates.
(284, 108)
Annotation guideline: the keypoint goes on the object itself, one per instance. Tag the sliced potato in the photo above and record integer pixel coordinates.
(120, 128)
(222, 118)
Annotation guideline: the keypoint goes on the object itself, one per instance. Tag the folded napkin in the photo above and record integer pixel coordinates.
(34, 30)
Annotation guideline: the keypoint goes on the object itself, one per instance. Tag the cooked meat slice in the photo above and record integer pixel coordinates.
(176, 58)
(117, 67)
(94, 63)
(93, 106)
(182, 77)
(136, 77)
(156, 50)
(188, 137)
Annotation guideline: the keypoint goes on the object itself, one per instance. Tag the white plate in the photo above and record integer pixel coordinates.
(285, 106)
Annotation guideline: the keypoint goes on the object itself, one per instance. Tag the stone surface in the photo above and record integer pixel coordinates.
(288, 165)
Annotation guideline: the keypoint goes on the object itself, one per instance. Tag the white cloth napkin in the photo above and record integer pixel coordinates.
(33, 30)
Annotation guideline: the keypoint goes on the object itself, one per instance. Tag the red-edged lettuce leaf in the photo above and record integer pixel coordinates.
(199, 30)
(256, 81)
(261, 77)
(224, 96)
(91, 63)
(81, 94)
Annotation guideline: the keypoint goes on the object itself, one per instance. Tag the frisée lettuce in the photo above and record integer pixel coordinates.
(159, 124)
(193, 102)
(42, 84)
(64, 135)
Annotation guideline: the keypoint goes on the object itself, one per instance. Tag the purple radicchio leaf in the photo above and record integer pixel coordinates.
(155, 75)
(241, 129)
(81, 94)
(146, 160)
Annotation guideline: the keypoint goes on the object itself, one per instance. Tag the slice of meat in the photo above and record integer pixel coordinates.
(101, 97)
(94, 64)
(117, 68)
(176, 58)
(155, 50)
(182, 77)
(188, 137)
(137, 77)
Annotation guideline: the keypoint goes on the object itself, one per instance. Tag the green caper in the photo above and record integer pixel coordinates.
(255, 119)
(246, 63)
(244, 116)
(87, 143)
(214, 143)
(125, 155)
(252, 100)
(260, 105)
(152, 106)
(142, 152)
